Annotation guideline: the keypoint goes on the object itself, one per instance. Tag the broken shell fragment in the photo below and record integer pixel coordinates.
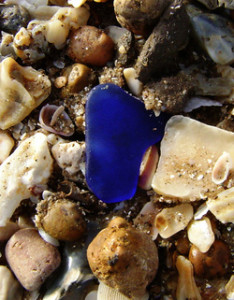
(229, 288)
(9, 286)
(106, 293)
(6, 145)
(187, 160)
(214, 33)
(148, 167)
(186, 288)
(54, 119)
(22, 89)
(222, 206)
(222, 168)
(200, 234)
(173, 219)
(29, 165)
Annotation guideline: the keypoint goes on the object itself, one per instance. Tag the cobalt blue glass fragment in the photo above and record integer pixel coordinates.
(118, 131)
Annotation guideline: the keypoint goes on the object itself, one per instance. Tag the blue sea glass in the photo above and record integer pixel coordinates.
(118, 131)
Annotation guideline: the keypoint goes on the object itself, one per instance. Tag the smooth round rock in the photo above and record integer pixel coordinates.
(30, 258)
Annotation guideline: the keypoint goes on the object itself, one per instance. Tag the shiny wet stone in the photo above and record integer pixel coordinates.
(118, 131)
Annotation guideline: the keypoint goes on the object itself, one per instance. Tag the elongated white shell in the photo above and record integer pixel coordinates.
(107, 293)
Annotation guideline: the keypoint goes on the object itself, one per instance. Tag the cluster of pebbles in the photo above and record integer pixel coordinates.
(174, 238)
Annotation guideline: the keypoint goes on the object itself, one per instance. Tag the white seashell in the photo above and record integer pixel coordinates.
(189, 150)
(29, 165)
(48, 238)
(186, 288)
(134, 84)
(196, 102)
(6, 145)
(229, 288)
(201, 211)
(106, 293)
(9, 286)
(76, 3)
(200, 234)
(223, 206)
(222, 168)
(22, 89)
(174, 219)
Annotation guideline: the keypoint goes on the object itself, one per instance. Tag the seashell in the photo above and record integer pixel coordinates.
(106, 293)
(186, 287)
(148, 167)
(133, 83)
(173, 219)
(9, 287)
(200, 234)
(223, 206)
(29, 165)
(187, 160)
(6, 145)
(229, 288)
(222, 168)
(196, 102)
(214, 33)
(54, 119)
(22, 89)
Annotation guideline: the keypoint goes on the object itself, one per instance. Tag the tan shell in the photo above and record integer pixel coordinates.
(22, 89)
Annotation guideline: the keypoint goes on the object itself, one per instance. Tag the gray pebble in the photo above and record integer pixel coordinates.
(13, 17)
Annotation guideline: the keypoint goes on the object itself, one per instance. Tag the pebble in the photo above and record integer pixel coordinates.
(61, 219)
(31, 258)
(9, 287)
(119, 130)
(13, 17)
(168, 37)
(213, 263)
(90, 45)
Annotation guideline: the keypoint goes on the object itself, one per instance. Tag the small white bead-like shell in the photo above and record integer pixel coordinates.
(222, 168)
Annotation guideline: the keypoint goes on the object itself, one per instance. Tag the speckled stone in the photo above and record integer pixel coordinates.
(118, 131)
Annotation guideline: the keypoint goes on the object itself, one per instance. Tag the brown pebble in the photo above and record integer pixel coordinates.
(212, 263)
(62, 219)
(30, 258)
(90, 45)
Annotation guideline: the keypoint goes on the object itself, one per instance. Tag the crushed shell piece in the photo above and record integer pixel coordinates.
(222, 168)
(22, 89)
(29, 165)
(106, 293)
(174, 219)
(148, 167)
(134, 84)
(186, 288)
(200, 234)
(223, 206)
(189, 151)
(6, 145)
(69, 156)
(229, 288)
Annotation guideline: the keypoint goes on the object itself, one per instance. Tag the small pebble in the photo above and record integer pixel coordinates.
(213, 263)
(90, 45)
(13, 17)
(31, 258)
(62, 219)
(10, 288)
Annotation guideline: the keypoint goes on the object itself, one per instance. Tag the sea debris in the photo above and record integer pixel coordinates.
(187, 160)
(6, 145)
(9, 286)
(22, 89)
(124, 258)
(119, 130)
(29, 165)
